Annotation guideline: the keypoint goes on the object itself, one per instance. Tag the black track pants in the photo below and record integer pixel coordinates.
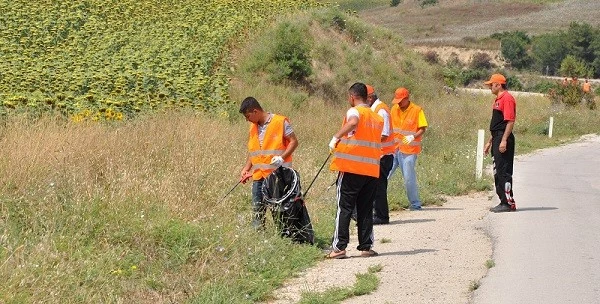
(503, 167)
(380, 207)
(354, 190)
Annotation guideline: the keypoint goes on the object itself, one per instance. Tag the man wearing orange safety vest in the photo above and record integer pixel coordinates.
(270, 144)
(409, 122)
(587, 87)
(388, 147)
(357, 151)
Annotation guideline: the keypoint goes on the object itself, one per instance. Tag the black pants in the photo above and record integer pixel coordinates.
(354, 190)
(380, 207)
(503, 167)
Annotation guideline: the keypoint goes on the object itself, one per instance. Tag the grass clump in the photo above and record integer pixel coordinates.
(365, 284)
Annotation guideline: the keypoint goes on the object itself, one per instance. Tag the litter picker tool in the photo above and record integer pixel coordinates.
(242, 180)
(323, 165)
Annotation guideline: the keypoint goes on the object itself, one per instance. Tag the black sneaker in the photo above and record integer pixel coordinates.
(378, 221)
(502, 208)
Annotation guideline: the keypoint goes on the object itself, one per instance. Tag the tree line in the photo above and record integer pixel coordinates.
(571, 53)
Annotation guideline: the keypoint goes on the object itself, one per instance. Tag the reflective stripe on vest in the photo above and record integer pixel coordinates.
(274, 144)
(360, 153)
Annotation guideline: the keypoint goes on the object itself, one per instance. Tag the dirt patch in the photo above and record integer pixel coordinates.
(463, 54)
(432, 256)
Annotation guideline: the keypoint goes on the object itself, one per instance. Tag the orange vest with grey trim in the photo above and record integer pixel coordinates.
(361, 152)
(274, 144)
(406, 123)
(388, 146)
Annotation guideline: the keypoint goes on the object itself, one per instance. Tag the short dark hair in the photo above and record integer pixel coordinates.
(375, 97)
(359, 89)
(504, 86)
(249, 104)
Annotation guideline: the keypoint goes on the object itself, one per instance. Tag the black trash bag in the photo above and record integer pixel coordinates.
(283, 194)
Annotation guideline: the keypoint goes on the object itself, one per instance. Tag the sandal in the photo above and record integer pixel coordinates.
(368, 253)
(336, 255)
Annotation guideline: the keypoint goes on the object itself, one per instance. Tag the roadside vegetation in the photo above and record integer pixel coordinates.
(131, 211)
(365, 284)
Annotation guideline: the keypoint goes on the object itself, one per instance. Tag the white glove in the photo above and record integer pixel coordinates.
(334, 141)
(277, 161)
(408, 139)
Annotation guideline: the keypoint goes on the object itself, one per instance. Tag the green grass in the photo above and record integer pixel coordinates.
(490, 264)
(365, 284)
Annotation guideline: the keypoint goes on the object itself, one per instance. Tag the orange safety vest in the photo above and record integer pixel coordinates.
(587, 87)
(388, 146)
(274, 144)
(360, 153)
(406, 123)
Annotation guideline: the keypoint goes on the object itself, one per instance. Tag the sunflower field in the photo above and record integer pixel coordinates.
(107, 60)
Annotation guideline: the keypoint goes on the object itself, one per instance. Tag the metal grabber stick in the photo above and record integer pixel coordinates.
(242, 180)
(323, 165)
(221, 200)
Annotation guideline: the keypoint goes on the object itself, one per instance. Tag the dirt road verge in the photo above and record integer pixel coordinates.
(431, 256)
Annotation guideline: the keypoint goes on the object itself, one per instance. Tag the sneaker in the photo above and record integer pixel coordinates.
(502, 208)
(414, 208)
(378, 221)
(368, 253)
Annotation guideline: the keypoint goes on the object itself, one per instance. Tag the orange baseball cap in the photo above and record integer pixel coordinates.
(400, 94)
(370, 90)
(497, 78)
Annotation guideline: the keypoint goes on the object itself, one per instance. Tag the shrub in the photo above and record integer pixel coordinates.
(574, 67)
(543, 87)
(547, 51)
(290, 57)
(454, 61)
(425, 3)
(395, 2)
(514, 50)
(481, 61)
(466, 76)
(513, 83)
(432, 57)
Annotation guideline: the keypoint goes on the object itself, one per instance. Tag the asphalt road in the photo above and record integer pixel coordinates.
(549, 250)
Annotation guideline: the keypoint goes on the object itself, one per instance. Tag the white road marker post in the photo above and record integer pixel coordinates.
(479, 160)
(550, 127)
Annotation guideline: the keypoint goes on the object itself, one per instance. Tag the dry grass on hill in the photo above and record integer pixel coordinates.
(451, 21)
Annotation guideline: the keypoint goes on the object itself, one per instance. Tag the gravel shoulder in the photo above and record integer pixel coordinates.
(432, 256)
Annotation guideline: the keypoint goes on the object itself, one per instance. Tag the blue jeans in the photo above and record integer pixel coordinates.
(258, 206)
(407, 163)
